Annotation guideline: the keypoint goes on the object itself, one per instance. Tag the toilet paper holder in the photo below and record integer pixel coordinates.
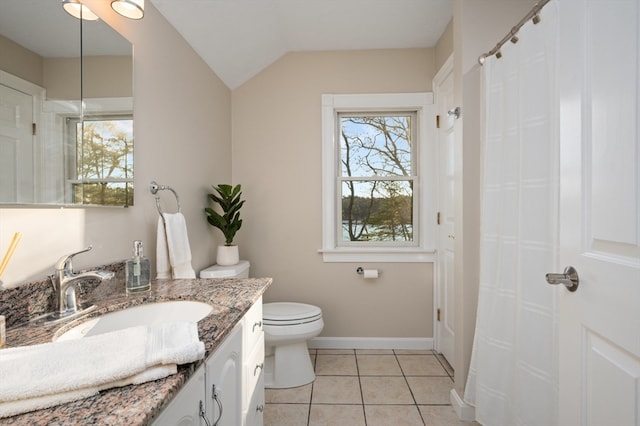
(361, 271)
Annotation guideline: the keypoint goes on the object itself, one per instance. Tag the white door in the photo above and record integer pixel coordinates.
(445, 290)
(599, 333)
(16, 146)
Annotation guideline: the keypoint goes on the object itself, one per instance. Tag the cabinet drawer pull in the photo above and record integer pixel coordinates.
(258, 367)
(203, 415)
(216, 398)
(260, 408)
(256, 324)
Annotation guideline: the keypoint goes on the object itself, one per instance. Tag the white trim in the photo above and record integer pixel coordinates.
(464, 411)
(445, 70)
(18, 83)
(402, 254)
(408, 343)
(103, 106)
(423, 104)
(442, 73)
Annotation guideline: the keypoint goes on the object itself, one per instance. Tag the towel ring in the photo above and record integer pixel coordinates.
(154, 188)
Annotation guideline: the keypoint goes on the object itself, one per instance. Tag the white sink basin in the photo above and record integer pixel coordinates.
(153, 313)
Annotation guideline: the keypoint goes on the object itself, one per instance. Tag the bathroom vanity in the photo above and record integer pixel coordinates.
(233, 363)
(231, 381)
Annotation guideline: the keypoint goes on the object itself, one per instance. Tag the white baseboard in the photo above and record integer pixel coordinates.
(415, 343)
(465, 412)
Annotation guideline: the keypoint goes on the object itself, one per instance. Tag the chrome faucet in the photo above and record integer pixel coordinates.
(64, 282)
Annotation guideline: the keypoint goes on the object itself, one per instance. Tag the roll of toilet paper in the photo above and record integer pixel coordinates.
(370, 274)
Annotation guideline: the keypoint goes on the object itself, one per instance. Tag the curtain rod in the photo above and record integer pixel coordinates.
(533, 13)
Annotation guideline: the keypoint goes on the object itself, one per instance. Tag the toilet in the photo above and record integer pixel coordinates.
(287, 328)
(239, 270)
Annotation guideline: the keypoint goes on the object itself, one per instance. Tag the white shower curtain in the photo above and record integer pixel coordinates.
(513, 373)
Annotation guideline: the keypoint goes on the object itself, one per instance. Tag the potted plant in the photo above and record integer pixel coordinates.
(229, 222)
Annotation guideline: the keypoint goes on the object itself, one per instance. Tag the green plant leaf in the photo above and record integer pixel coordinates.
(229, 199)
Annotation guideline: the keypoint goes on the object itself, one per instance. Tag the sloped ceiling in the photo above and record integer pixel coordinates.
(239, 38)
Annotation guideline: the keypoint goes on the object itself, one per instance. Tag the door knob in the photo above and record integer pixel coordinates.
(454, 112)
(569, 278)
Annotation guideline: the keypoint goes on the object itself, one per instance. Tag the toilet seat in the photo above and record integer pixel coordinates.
(286, 314)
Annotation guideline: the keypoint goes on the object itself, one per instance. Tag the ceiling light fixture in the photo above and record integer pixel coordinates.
(78, 10)
(132, 9)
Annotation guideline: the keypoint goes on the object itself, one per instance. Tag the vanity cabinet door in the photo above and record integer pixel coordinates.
(224, 381)
(253, 354)
(254, 368)
(184, 409)
(256, 405)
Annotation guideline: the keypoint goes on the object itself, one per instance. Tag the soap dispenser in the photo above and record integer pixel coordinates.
(138, 270)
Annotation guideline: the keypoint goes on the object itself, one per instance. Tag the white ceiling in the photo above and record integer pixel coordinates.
(239, 38)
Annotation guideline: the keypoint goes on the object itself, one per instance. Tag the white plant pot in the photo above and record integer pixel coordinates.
(227, 255)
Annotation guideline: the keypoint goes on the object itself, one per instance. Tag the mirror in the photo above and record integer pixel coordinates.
(73, 80)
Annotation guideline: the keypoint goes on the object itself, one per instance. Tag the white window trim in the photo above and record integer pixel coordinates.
(423, 104)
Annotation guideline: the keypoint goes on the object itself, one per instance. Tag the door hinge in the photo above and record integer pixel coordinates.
(438, 314)
(437, 121)
(438, 218)
(33, 129)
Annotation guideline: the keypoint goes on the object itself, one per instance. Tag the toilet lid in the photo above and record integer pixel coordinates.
(288, 313)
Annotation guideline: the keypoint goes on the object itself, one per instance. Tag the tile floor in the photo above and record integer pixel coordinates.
(368, 388)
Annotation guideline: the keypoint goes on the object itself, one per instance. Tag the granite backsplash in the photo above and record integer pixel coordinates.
(29, 300)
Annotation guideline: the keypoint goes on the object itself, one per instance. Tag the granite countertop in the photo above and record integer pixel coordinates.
(140, 404)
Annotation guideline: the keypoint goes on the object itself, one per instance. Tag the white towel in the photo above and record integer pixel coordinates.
(177, 246)
(48, 374)
(12, 408)
(163, 267)
(174, 343)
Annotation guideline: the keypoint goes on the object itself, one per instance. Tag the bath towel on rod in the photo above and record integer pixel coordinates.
(173, 254)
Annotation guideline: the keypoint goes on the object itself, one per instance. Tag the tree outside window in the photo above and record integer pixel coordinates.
(104, 161)
(377, 163)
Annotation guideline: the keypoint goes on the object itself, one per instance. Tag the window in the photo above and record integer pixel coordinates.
(102, 169)
(378, 178)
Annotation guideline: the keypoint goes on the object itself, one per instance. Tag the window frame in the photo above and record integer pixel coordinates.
(423, 247)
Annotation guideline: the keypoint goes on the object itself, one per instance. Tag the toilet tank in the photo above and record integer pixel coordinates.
(239, 270)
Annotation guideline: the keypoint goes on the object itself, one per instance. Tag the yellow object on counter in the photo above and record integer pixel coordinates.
(7, 257)
(2, 331)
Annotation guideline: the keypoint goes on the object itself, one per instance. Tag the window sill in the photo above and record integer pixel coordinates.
(400, 255)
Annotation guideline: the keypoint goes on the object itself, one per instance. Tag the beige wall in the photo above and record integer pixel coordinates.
(21, 62)
(444, 47)
(62, 78)
(107, 76)
(104, 76)
(183, 139)
(277, 159)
